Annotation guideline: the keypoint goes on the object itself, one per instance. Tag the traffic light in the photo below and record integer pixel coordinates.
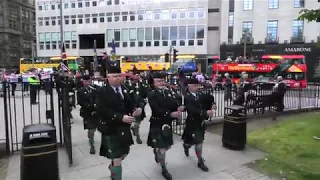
(175, 55)
(166, 57)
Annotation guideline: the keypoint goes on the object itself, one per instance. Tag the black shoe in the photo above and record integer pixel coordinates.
(202, 166)
(155, 155)
(92, 150)
(186, 150)
(166, 174)
(138, 139)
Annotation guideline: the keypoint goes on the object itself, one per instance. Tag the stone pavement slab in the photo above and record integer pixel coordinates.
(140, 165)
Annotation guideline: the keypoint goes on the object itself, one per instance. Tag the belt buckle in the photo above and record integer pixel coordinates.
(164, 126)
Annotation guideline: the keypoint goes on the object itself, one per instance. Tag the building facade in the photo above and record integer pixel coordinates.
(256, 28)
(17, 31)
(138, 27)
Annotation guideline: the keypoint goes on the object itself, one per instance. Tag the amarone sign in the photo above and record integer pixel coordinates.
(297, 49)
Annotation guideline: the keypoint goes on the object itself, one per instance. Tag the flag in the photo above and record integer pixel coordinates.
(113, 49)
(64, 62)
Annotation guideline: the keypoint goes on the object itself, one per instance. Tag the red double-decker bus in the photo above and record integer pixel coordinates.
(292, 68)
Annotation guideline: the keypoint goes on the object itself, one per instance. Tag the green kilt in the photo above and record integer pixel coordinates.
(193, 136)
(157, 139)
(138, 118)
(113, 148)
(89, 123)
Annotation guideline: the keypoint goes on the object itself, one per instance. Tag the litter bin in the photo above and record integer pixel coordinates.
(234, 135)
(39, 157)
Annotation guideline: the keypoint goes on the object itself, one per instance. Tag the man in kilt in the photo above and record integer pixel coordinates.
(199, 107)
(116, 113)
(86, 100)
(164, 109)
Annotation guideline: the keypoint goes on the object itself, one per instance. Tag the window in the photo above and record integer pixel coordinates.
(79, 4)
(165, 14)
(66, 21)
(140, 15)
(109, 2)
(116, 16)
(247, 5)
(272, 30)
(125, 37)
(191, 35)
(40, 8)
(156, 14)
(148, 36)
(201, 12)
(132, 16)
(116, 2)
(148, 15)
(66, 5)
(140, 37)
(94, 3)
(73, 20)
(297, 28)
(53, 22)
(53, 7)
(109, 37)
(133, 36)
(94, 18)
(182, 35)
(273, 4)
(87, 4)
(80, 19)
(87, 18)
(40, 22)
(101, 17)
(173, 35)
(165, 36)
(183, 13)
(156, 36)
(109, 17)
(200, 34)
(174, 14)
(231, 19)
(117, 37)
(124, 16)
(192, 13)
(247, 28)
(73, 5)
(299, 3)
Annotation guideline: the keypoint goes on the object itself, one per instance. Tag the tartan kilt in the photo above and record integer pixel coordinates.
(112, 148)
(156, 139)
(193, 136)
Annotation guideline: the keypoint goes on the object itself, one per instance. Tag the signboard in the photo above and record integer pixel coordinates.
(244, 67)
(144, 66)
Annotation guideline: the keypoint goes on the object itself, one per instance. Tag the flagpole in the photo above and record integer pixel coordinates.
(61, 26)
(95, 58)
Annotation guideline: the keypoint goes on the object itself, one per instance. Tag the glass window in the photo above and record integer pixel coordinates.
(156, 33)
(148, 15)
(87, 4)
(132, 15)
(124, 16)
(165, 14)
(191, 32)
(201, 12)
(200, 31)
(117, 35)
(73, 5)
(247, 28)
(174, 14)
(299, 3)
(247, 5)
(148, 34)
(66, 5)
(125, 35)
(183, 13)
(182, 32)
(109, 35)
(165, 33)
(67, 36)
(140, 15)
(54, 36)
(109, 2)
(273, 4)
(79, 4)
(116, 16)
(140, 34)
(272, 30)
(116, 2)
(297, 28)
(133, 34)
(231, 19)
(192, 13)
(156, 14)
(173, 32)
(48, 37)
(42, 37)
(109, 17)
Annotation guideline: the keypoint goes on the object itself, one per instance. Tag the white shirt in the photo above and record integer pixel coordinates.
(120, 90)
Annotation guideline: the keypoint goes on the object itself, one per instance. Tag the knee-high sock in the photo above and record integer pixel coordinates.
(161, 158)
(91, 136)
(198, 149)
(116, 172)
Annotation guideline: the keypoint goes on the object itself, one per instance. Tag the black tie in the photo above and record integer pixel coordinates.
(118, 93)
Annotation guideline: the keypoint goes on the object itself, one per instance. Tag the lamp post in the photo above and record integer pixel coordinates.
(61, 25)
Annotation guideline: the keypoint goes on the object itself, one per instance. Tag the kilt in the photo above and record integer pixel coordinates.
(90, 123)
(112, 148)
(193, 136)
(138, 118)
(156, 138)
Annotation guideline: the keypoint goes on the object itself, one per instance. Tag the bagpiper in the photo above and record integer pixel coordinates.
(199, 107)
(86, 99)
(116, 113)
(165, 109)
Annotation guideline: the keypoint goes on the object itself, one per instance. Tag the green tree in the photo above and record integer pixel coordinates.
(309, 15)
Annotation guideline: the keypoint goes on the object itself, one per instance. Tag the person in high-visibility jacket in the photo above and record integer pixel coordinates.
(34, 85)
